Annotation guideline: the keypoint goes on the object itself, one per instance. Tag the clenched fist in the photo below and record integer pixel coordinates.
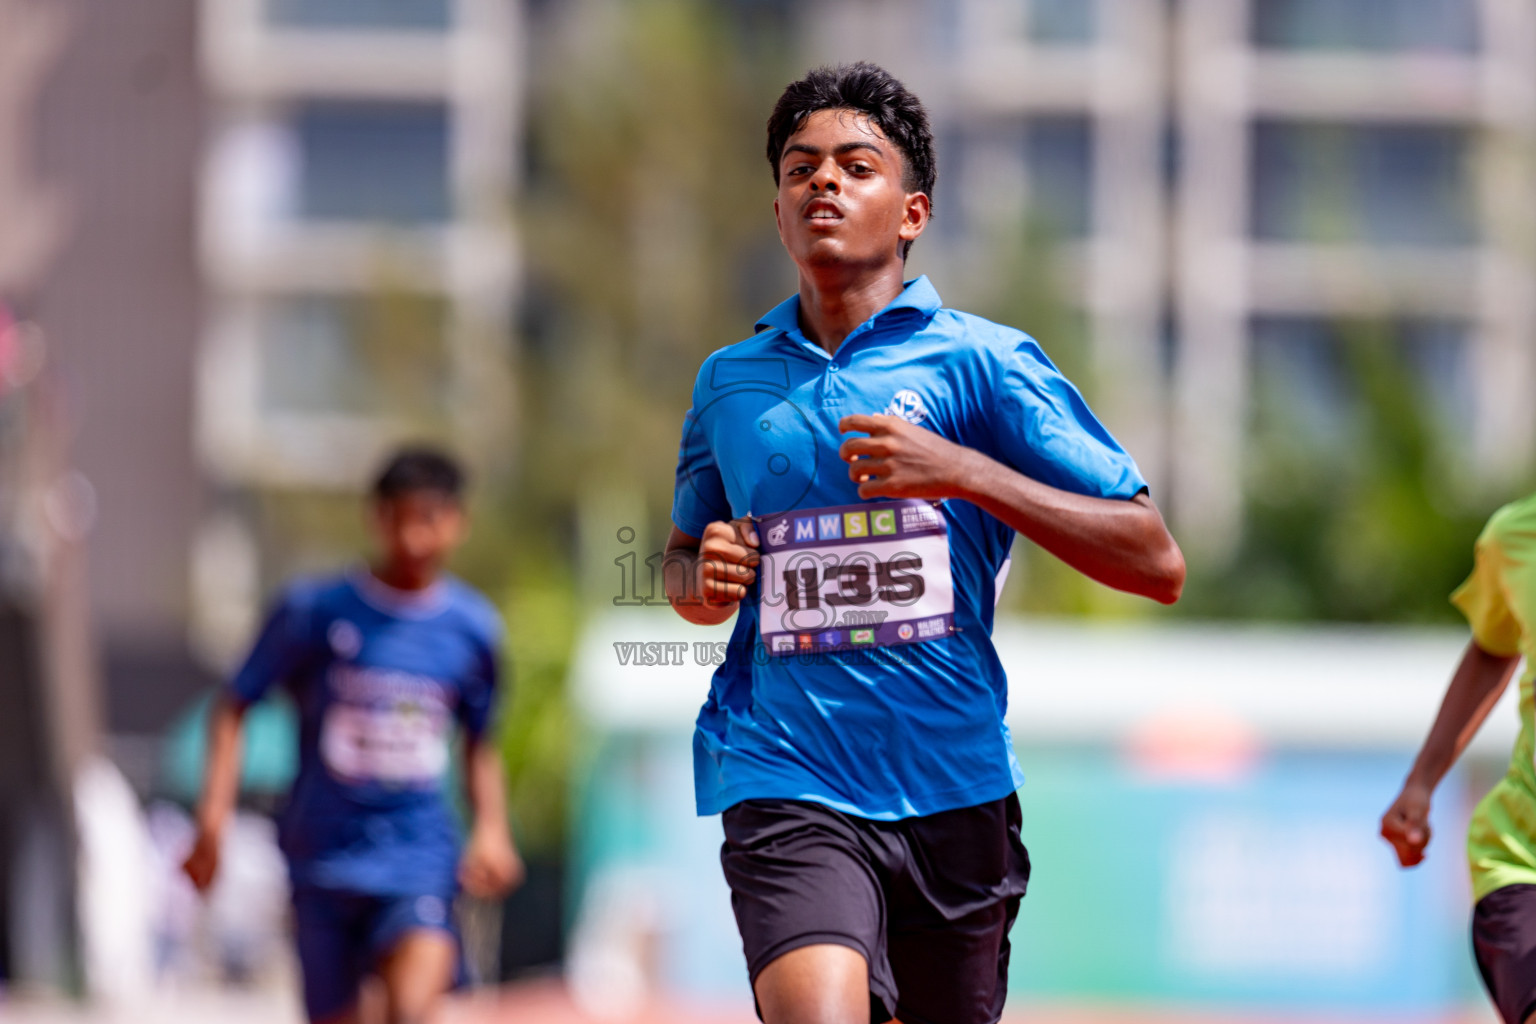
(727, 561)
(900, 460)
(1406, 824)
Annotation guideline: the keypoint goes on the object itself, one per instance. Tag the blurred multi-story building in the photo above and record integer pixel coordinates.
(356, 245)
(1227, 180)
(260, 241)
(248, 245)
(267, 238)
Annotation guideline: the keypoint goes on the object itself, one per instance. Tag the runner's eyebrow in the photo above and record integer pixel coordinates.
(846, 147)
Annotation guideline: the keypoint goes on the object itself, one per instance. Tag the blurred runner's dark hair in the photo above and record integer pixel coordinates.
(420, 468)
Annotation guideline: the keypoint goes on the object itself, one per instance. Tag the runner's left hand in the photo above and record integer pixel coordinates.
(202, 863)
(1406, 824)
(900, 460)
(490, 867)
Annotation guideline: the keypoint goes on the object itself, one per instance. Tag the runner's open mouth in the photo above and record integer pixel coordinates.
(823, 210)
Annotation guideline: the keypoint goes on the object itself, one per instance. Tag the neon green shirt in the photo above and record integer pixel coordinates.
(1499, 601)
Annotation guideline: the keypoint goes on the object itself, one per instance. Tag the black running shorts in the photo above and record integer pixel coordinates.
(1504, 941)
(928, 901)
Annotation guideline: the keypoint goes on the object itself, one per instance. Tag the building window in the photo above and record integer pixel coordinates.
(1368, 25)
(373, 161)
(424, 15)
(1062, 22)
(1058, 152)
(376, 355)
(1379, 184)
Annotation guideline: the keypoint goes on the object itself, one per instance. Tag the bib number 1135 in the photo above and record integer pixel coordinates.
(852, 576)
(855, 584)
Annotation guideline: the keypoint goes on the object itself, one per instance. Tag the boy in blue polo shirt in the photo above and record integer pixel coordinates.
(849, 484)
(382, 662)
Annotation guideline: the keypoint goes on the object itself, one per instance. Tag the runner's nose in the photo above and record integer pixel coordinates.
(824, 178)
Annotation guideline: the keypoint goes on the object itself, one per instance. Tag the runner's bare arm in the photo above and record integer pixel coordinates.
(1475, 689)
(490, 866)
(221, 787)
(706, 577)
(1122, 544)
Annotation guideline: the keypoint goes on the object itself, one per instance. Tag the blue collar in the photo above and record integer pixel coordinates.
(918, 294)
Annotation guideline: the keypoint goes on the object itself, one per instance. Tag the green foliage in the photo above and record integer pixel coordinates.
(1022, 288)
(648, 200)
(536, 591)
(403, 333)
(1375, 526)
(648, 238)
(539, 733)
(639, 231)
(644, 223)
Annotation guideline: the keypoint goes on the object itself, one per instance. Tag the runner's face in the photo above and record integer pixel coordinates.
(418, 530)
(841, 198)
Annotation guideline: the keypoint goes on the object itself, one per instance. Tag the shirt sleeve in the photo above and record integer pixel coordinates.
(283, 645)
(1481, 599)
(481, 695)
(698, 494)
(1043, 428)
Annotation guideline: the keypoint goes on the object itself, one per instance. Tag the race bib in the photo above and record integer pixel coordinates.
(405, 744)
(854, 576)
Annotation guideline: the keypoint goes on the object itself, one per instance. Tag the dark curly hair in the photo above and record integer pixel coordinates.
(870, 90)
(420, 468)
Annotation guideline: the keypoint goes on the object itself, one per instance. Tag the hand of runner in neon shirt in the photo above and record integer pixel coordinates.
(1406, 824)
(1479, 680)
(900, 460)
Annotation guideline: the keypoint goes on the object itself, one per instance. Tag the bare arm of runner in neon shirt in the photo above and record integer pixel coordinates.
(1475, 689)
(1121, 543)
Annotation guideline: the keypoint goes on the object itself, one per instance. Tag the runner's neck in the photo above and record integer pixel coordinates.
(410, 602)
(830, 310)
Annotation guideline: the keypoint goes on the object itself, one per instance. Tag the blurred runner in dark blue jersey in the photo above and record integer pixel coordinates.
(383, 662)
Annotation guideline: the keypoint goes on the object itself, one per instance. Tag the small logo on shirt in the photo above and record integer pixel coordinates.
(908, 405)
(345, 639)
(904, 631)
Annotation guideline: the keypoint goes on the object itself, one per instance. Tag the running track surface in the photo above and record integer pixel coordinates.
(546, 1002)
